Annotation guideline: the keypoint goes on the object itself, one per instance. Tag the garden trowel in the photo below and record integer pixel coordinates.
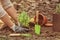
(37, 26)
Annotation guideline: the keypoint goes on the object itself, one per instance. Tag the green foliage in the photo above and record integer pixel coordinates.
(37, 29)
(27, 35)
(58, 8)
(24, 19)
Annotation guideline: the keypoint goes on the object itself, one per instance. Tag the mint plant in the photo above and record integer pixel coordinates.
(24, 18)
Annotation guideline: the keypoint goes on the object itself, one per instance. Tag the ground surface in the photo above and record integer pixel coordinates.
(46, 34)
(46, 7)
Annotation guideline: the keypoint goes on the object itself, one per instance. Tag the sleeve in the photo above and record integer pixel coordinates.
(2, 11)
(6, 3)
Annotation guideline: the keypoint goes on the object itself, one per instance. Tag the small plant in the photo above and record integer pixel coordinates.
(58, 8)
(24, 19)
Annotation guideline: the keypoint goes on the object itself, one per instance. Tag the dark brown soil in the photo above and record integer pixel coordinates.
(46, 34)
(46, 7)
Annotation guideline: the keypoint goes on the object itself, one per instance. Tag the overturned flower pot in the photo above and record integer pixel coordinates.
(56, 22)
(41, 19)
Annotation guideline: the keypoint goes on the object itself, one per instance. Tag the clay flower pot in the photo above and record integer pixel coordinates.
(56, 22)
(41, 19)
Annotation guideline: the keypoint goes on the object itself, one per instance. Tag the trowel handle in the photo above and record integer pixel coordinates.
(37, 16)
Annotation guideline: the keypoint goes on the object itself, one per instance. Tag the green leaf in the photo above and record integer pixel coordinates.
(58, 8)
(24, 18)
(37, 29)
(27, 35)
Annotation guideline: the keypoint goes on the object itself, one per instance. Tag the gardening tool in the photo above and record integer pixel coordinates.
(16, 35)
(37, 27)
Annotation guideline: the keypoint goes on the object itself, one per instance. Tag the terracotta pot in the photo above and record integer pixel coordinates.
(56, 22)
(41, 19)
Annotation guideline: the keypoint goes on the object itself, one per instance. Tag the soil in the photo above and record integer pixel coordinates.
(46, 34)
(46, 7)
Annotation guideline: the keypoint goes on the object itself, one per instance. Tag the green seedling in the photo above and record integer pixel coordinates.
(25, 35)
(24, 19)
(57, 8)
(37, 29)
